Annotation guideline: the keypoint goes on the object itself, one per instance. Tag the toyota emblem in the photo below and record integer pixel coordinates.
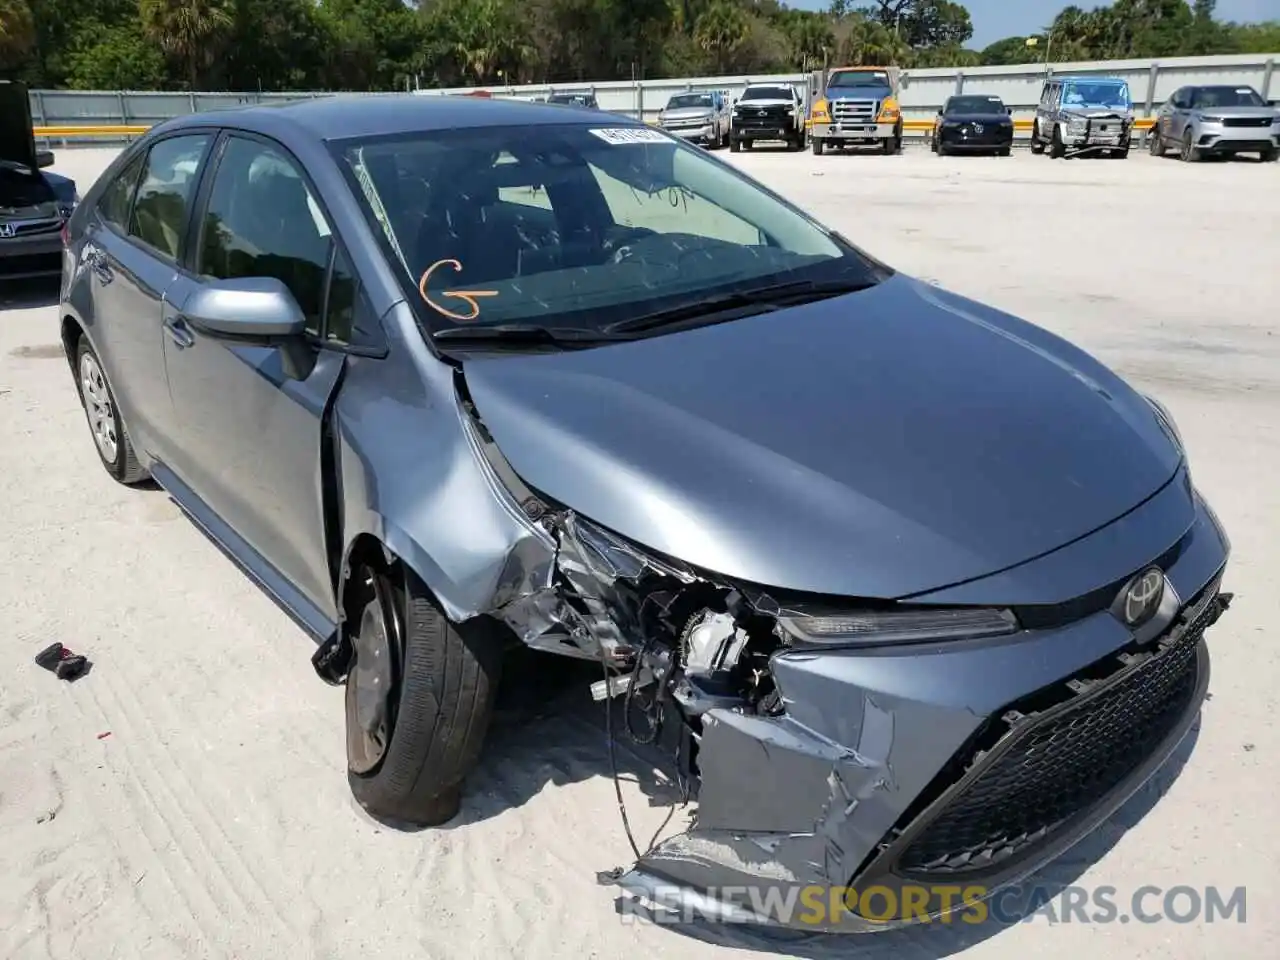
(1142, 596)
(7, 230)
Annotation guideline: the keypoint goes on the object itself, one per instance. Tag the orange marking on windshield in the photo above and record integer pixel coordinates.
(469, 296)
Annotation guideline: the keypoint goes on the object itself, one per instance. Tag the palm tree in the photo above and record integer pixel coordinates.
(188, 30)
(721, 31)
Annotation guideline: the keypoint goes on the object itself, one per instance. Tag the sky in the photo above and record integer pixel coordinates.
(996, 19)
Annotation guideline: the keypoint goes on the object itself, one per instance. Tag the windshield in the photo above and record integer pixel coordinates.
(1227, 97)
(975, 105)
(858, 78)
(690, 100)
(577, 224)
(1112, 95)
(581, 99)
(768, 93)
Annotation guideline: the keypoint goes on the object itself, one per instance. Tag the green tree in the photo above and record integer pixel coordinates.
(17, 31)
(192, 32)
(118, 57)
(936, 23)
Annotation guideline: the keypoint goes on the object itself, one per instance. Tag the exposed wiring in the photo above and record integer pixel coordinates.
(613, 757)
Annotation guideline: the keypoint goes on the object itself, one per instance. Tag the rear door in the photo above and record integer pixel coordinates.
(131, 252)
(250, 414)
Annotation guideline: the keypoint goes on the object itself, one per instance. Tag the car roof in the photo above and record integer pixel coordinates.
(339, 117)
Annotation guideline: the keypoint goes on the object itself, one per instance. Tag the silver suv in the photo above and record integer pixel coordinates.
(698, 116)
(1218, 120)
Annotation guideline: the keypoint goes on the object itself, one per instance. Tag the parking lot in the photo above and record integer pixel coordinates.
(187, 798)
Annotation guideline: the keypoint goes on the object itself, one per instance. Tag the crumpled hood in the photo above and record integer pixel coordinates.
(880, 444)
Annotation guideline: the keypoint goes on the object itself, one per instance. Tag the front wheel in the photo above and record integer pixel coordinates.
(419, 696)
(1269, 156)
(1189, 153)
(734, 144)
(1057, 149)
(1155, 143)
(817, 145)
(1005, 152)
(1037, 145)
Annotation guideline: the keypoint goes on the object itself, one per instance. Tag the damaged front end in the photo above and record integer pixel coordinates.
(839, 744)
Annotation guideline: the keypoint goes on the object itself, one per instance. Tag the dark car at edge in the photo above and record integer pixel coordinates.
(973, 123)
(34, 203)
(917, 589)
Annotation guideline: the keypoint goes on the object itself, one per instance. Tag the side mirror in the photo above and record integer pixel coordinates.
(247, 308)
(1273, 103)
(1009, 111)
(44, 158)
(939, 111)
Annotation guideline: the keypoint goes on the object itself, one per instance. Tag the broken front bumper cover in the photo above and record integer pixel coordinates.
(883, 796)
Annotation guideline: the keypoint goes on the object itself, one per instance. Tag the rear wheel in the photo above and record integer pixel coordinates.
(419, 696)
(110, 438)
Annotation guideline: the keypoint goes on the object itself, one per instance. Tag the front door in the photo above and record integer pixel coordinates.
(249, 415)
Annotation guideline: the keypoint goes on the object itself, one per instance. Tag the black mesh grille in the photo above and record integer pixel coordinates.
(1060, 765)
(1252, 122)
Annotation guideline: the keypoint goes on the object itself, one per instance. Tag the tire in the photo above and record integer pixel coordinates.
(1269, 156)
(434, 682)
(1188, 153)
(942, 150)
(933, 142)
(816, 146)
(107, 429)
(1057, 149)
(747, 144)
(1005, 152)
(1155, 143)
(734, 144)
(1037, 145)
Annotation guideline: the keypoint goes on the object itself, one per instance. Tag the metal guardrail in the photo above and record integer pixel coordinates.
(65, 115)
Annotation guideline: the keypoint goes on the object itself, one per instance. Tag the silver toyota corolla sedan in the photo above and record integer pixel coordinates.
(917, 591)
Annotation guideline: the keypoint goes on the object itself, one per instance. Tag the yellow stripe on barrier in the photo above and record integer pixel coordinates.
(88, 131)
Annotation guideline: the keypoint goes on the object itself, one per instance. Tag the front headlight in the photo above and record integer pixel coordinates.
(1167, 424)
(883, 627)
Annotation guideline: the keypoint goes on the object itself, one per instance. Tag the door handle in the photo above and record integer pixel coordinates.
(178, 332)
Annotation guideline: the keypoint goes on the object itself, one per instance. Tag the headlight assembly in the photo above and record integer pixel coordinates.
(885, 627)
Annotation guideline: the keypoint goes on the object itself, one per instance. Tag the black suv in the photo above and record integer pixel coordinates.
(34, 205)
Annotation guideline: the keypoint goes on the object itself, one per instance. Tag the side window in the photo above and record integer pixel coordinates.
(113, 207)
(261, 221)
(349, 319)
(165, 193)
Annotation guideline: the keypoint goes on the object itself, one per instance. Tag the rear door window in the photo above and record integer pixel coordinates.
(164, 196)
(114, 206)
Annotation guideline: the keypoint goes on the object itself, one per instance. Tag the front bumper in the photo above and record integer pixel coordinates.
(29, 256)
(702, 133)
(1098, 134)
(853, 132)
(964, 138)
(770, 128)
(926, 779)
(1216, 138)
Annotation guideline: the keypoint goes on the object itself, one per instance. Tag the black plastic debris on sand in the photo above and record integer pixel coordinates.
(62, 663)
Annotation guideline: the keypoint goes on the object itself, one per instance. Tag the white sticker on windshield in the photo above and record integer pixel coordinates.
(620, 136)
(1243, 90)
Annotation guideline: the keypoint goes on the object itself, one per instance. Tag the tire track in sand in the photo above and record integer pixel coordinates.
(241, 902)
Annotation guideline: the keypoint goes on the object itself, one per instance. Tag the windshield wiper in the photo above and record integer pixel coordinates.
(527, 333)
(730, 306)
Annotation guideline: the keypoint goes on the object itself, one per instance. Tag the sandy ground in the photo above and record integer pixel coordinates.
(214, 819)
